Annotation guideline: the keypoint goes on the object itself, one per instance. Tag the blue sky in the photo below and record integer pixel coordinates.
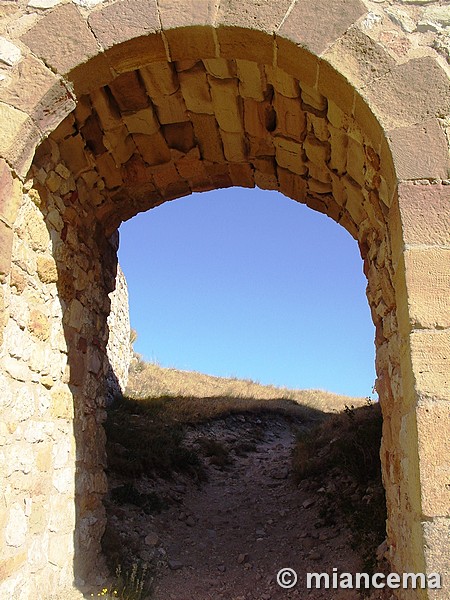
(248, 283)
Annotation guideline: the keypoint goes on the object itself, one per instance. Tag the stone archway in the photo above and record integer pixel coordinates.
(108, 110)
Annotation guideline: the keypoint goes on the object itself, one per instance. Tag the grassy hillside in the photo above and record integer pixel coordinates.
(149, 380)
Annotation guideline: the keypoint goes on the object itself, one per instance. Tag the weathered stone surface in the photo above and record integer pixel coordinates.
(136, 18)
(413, 92)
(265, 17)
(359, 58)
(300, 25)
(433, 422)
(430, 351)
(425, 214)
(428, 284)
(410, 159)
(62, 38)
(9, 53)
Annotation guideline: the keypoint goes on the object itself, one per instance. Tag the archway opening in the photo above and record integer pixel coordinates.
(247, 283)
(170, 236)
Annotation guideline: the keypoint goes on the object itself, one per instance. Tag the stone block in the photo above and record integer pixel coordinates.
(289, 155)
(16, 527)
(412, 92)
(314, 99)
(429, 354)
(46, 269)
(225, 97)
(282, 82)
(195, 90)
(19, 138)
(242, 175)
(427, 277)
(433, 430)
(252, 83)
(73, 152)
(171, 109)
(208, 137)
(297, 61)
(259, 118)
(39, 325)
(424, 209)
(136, 53)
(10, 54)
(335, 18)
(338, 144)
(191, 43)
(317, 152)
(142, 121)
(10, 193)
(355, 200)
(420, 151)
(436, 537)
(290, 118)
(88, 77)
(109, 171)
(219, 175)
(356, 161)
(248, 44)
(335, 87)
(193, 13)
(220, 68)
(265, 181)
(318, 126)
(359, 58)
(107, 111)
(291, 185)
(153, 148)
(265, 16)
(192, 169)
(62, 39)
(120, 144)
(136, 17)
(129, 92)
(180, 136)
(234, 146)
(160, 79)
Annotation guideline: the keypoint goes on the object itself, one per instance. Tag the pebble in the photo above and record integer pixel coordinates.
(174, 565)
(152, 539)
(308, 503)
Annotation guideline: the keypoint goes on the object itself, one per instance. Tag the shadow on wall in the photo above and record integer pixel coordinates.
(87, 267)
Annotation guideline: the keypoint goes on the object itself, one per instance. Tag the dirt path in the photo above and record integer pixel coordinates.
(230, 538)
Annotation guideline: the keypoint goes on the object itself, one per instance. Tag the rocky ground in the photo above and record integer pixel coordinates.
(227, 537)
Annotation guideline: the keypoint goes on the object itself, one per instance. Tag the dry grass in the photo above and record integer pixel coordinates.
(195, 391)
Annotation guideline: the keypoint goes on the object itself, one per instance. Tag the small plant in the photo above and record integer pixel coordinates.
(131, 585)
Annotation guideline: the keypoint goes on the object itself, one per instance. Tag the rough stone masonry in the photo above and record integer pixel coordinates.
(111, 108)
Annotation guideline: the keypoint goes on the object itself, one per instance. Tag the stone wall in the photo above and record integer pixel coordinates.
(119, 349)
(111, 109)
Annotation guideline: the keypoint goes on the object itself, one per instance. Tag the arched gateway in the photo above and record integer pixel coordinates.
(108, 109)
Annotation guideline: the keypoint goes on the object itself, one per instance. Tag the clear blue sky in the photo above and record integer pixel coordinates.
(249, 284)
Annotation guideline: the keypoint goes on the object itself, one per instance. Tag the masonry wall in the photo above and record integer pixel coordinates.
(108, 110)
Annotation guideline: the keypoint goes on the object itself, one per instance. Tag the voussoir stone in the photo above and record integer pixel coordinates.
(301, 25)
(124, 20)
(62, 38)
